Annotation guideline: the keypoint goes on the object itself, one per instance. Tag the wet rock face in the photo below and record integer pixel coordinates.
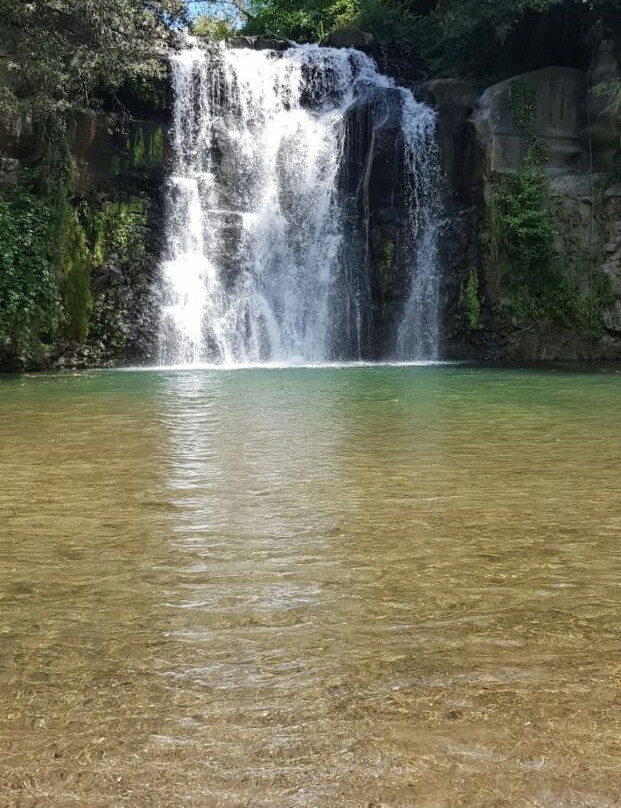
(123, 169)
(461, 153)
(604, 112)
(463, 199)
(260, 43)
(372, 181)
(125, 297)
(111, 157)
(611, 222)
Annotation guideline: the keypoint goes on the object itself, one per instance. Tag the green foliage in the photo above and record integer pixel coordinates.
(64, 54)
(56, 58)
(524, 113)
(75, 269)
(612, 91)
(469, 303)
(143, 148)
(521, 224)
(119, 233)
(67, 54)
(445, 36)
(150, 89)
(286, 23)
(476, 36)
(9, 107)
(388, 254)
(138, 148)
(466, 22)
(157, 146)
(593, 308)
(520, 220)
(213, 28)
(524, 106)
(302, 20)
(341, 13)
(45, 263)
(396, 28)
(532, 281)
(48, 251)
(386, 267)
(393, 22)
(118, 230)
(29, 289)
(522, 230)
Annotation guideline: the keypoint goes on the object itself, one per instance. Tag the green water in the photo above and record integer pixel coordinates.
(310, 587)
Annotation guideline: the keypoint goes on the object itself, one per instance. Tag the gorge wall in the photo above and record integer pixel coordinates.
(567, 308)
(569, 118)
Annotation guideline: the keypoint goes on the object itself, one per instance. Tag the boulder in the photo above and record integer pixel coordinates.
(586, 207)
(350, 38)
(260, 43)
(560, 97)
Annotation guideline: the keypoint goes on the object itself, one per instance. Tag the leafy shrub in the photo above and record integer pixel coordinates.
(522, 226)
(394, 25)
(469, 303)
(29, 288)
(532, 278)
(213, 28)
(75, 269)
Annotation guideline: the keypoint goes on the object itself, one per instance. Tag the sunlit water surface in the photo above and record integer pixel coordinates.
(311, 587)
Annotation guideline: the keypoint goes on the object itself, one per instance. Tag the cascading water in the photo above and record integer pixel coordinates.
(267, 250)
(418, 334)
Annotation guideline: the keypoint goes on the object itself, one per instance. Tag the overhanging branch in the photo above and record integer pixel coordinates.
(238, 5)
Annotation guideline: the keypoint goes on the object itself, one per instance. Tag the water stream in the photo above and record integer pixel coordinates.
(268, 255)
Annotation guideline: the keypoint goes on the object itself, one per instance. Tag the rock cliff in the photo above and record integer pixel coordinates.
(111, 199)
(570, 118)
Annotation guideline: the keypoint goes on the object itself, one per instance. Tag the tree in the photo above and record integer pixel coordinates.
(302, 20)
(64, 54)
(446, 36)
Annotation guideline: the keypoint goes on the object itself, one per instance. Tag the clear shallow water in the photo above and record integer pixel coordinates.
(310, 587)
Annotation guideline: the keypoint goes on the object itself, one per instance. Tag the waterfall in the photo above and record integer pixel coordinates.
(267, 255)
(419, 327)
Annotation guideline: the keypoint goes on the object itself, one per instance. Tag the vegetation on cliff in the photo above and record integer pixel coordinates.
(442, 36)
(53, 250)
(59, 58)
(523, 261)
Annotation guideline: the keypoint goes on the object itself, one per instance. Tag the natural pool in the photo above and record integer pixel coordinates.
(366, 586)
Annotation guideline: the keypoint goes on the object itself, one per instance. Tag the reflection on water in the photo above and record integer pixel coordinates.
(310, 587)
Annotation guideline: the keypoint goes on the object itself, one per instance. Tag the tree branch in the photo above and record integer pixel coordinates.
(238, 5)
